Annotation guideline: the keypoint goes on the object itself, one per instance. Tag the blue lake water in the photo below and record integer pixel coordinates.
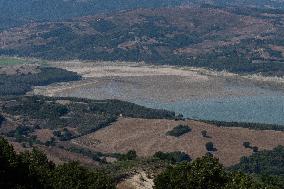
(258, 109)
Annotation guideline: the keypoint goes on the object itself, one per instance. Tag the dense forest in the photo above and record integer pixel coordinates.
(18, 12)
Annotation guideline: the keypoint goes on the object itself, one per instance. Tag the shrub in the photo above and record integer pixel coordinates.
(246, 144)
(204, 133)
(130, 155)
(173, 157)
(210, 146)
(179, 131)
(255, 149)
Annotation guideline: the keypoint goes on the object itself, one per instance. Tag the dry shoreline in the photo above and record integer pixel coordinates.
(138, 81)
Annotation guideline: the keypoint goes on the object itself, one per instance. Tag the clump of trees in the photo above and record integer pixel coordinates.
(130, 155)
(248, 145)
(179, 131)
(254, 126)
(173, 157)
(269, 162)
(204, 173)
(34, 170)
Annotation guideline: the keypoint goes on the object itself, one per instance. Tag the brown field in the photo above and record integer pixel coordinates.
(149, 136)
(43, 134)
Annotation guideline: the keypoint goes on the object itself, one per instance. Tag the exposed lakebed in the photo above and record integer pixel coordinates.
(193, 94)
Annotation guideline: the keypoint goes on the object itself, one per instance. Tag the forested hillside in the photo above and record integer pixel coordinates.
(18, 12)
(237, 40)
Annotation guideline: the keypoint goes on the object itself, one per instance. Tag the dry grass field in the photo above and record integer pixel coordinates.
(149, 136)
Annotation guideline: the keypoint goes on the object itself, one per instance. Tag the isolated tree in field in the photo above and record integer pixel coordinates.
(204, 133)
(210, 146)
(246, 144)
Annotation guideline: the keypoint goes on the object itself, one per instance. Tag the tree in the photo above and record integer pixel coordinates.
(72, 175)
(246, 144)
(204, 173)
(130, 155)
(255, 149)
(204, 133)
(173, 157)
(33, 170)
(210, 146)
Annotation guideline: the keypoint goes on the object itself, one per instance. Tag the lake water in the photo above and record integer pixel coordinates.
(259, 109)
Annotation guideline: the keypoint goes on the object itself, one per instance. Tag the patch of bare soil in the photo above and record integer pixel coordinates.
(137, 181)
(22, 69)
(43, 134)
(149, 136)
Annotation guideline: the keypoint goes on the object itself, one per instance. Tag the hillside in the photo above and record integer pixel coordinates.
(241, 41)
(18, 12)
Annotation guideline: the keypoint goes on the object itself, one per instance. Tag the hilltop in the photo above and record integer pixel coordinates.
(239, 41)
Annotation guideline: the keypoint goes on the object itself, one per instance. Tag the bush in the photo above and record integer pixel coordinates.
(130, 155)
(173, 157)
(255, 149)
(179, 131)
(246, 144)
(204, 133)
(210, 146)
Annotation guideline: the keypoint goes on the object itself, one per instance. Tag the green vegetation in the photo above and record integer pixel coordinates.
(210, 146)
(179, 131)
(33, 170)
(268, 162)
(17, 12)
(204, 173)
(173, 157)
(267, 166)
(155, 40)
(247, 145)
(84, 115)
(130, 155)
(2, 118)
(20, 84)
(254, 126)
(11, 61)
(204, 134)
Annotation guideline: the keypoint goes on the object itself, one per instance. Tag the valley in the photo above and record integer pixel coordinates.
(195, 93)
(142, 94)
